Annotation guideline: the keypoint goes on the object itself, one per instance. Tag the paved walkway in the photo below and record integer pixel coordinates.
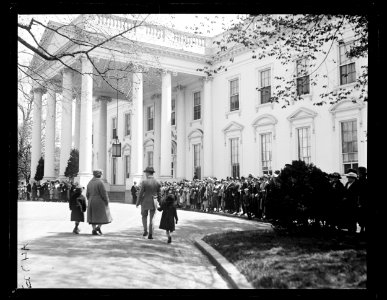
(120, 258)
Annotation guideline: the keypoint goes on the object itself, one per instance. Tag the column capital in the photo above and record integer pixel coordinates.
(67, 70)
(39, 89)
(207, 79)
(180, 88)
(156, 96)
(105, 98)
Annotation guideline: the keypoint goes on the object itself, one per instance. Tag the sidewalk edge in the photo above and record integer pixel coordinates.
(227, 269)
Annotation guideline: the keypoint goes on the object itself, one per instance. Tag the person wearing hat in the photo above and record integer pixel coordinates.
(335, 210)
(98, 212)
(77, 205)
(350, 201)
(150, 188)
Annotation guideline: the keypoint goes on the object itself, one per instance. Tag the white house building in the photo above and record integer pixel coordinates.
(179, 121)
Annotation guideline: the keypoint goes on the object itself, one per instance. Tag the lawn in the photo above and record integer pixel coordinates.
(272, 260)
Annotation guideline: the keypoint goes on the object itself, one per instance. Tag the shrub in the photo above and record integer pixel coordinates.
(296, 197)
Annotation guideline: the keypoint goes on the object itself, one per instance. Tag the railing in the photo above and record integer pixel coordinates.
(152, 33)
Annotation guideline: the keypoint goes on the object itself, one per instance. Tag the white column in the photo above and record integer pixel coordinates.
(36, 146)
(85, 147)
(77, 121)
(136, 173)
(166, 109)
(49, 161)
(102, 134)
(180, 131)
(157, 136)
(66, 121)
(207, 128)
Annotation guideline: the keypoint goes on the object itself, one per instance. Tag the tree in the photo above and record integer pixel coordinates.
(72, 168)
(39, 170)
(291, 37)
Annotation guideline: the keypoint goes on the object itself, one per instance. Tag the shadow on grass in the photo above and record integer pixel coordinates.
(269, 260)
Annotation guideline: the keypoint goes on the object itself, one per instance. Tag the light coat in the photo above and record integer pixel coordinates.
(150, 187)
(98, 211)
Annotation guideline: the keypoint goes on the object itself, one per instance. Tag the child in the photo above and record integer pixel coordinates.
(78, 207)
(168, 216)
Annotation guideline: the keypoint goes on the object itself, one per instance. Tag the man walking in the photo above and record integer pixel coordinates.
(150, 188)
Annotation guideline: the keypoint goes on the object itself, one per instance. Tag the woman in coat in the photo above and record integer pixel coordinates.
(168, 217)
(98, 212)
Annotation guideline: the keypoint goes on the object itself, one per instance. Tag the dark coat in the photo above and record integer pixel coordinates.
(98, 202)
(77, 205)
(168, 216)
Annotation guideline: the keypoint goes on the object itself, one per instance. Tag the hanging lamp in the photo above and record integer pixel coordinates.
(116, 147)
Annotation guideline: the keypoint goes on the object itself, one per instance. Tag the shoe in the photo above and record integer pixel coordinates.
(94, 232)
(98, 229)
(150, 237)
(169, 240)
(76, 231)
(145, 233)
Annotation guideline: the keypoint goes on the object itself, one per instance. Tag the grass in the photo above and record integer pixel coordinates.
(271, 260)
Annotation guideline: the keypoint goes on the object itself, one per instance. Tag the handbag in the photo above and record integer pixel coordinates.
(156, 203)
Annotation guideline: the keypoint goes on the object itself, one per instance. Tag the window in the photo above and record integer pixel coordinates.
(150, 117)
(234, 157)
(302, 77)
(234, 94)
(197, 169)
(347, 66)
(127, 124)
(349, 145)
(304, 148)
(127, 166)
(114, 170)
(150, 158)
(265, 86)
(266, 153)
(196, 106)
(114, 128)
(173, 113)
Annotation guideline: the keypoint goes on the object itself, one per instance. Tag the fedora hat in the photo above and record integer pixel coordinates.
(351, 174)
(149, 170)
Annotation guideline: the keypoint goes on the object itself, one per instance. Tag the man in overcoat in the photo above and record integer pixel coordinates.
(351, 200)
(150, 188)
(98, 211)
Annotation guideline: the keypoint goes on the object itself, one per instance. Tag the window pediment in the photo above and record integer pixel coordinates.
(233, 126)
(264, 120)
(302, 113)
(126, 148)
(196, 133)
(345, 105)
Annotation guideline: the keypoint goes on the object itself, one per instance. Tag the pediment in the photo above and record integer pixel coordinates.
(345, 105)
(195, 133)
(126, 148)
(233, 126)
(265, 119)
(148, 142)
(302, 113)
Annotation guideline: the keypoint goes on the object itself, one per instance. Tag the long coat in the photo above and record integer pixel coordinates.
(98, 211)
(77, 205)
(168, 216)
(150, 187)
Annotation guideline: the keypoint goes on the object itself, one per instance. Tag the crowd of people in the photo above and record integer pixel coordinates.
(55, 190)
(248, 196)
